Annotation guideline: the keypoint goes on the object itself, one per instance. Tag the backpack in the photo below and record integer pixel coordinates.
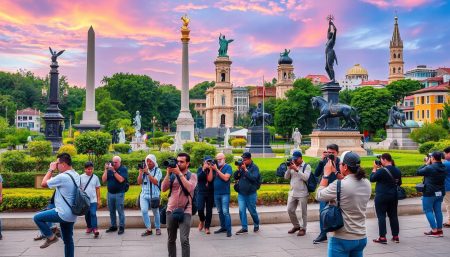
(311, 184)
(81, 203)
(186, 193)
(281, 170)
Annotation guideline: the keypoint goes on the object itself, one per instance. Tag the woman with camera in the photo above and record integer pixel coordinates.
(149, 198)
(205, 196)
(387, 178)
(434, 173)
(355, 190)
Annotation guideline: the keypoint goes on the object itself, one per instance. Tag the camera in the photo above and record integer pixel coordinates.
(289, 161)
(331, 157)
(170, 163)
(239, 162)
(212, 162)
(109, 163)
(378, 162)
(141, 165)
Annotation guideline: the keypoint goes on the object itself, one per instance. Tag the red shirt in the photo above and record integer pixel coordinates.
(178, 199)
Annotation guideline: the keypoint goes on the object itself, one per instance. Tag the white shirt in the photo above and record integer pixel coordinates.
(64, 185)
(93, 185)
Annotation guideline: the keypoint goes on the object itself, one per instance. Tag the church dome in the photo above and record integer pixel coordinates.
(357, 70)
(411, 124)
(285, 60)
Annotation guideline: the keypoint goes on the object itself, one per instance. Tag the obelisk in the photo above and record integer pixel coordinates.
(90, 121)
(185, 122)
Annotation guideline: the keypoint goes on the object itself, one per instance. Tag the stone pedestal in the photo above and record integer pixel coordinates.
(138, 144)
(398, 138)
(255, 139)
(346, 140)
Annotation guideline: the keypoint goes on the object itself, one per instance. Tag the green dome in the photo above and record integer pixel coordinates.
(411, 124)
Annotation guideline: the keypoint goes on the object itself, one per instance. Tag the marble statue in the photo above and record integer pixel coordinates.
(297, 138)
(121, 136)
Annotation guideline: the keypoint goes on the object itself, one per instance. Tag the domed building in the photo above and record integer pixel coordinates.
(285, 74)
(354, 77)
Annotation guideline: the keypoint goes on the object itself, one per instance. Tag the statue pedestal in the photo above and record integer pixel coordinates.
(349, 140)
(258, 143)
(138, 144)
(398, 138)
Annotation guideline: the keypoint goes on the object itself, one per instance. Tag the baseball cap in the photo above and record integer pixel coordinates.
(207, 158)
(246, 155)
(350, 159)
(296, 155)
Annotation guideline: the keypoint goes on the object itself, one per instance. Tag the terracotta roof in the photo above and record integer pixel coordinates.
(318, 78)
(445, 69)
(374, 82)
(410, 97)
(28, 111)
(438, 79)
(440, 88)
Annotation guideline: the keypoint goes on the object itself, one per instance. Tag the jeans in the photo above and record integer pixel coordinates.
(145, 205)
(172, 230)
(346, 248)
(41, 220)
(432, 207)
(248, 202)
(223, 208)
(321, 206)
(115, 203)
(387, 205)
(205, 200)
(91, 216)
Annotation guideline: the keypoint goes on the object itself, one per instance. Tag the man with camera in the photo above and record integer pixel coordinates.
(446, 162)
(205, 197)
(149, 198)
(330, 154)
(181, 183)
(222, 176)
(248, 181)
(298, 172)
(116, 176)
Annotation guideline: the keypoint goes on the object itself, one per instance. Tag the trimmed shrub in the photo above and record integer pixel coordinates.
(165, 146)
(441, 145)
(95, 143)
(187, 147)
(238, 142)
(426, 147)
(68, 140)
(69, 149)
(237, 151)
(122, 148)
(40, 149)
(429, 132)
(200, 150)
(14, 161)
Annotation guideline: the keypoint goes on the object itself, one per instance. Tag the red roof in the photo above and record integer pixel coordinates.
(432, 79)
(410, 97)
(374, 82)
(444, 69)
(440, 88)
(318, 78)
(28, 111)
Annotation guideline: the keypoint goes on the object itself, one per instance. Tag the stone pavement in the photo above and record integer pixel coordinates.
(272, 240)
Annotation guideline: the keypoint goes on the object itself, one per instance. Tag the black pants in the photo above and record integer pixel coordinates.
(387, 205)
(205, 200)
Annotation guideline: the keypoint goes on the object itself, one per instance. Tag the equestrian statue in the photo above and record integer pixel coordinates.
(396, 118)
(259, 117)
(331, 110)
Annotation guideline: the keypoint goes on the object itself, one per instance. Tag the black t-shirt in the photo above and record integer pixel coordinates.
(115, 186)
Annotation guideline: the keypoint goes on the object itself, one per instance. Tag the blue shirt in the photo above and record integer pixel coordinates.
(447, 178)
(222, 187)
(64, 187)
(146, 184)
(115, 186)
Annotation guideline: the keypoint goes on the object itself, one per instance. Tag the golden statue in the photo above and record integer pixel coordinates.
(185, 20)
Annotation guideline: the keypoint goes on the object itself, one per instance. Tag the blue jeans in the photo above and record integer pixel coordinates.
(432, 207)
(248, 202)
(41, 219)
(223, 208)
(321, 206)
(145, 205)
(91, 216)
(115, 203)
(346, 248)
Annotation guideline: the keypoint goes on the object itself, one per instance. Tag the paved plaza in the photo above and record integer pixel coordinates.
(272, 240)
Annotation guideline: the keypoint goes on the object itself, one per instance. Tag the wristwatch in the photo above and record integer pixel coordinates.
(50, 170)
(325, 177)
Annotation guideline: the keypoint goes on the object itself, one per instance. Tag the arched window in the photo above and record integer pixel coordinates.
(223, 100)
(393, 70)
(398, 55)
(399, 69)
(395, 56)
(222, 120)
(222, 77)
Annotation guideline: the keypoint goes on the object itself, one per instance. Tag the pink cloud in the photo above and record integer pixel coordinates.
(408, 4)
(189, 7)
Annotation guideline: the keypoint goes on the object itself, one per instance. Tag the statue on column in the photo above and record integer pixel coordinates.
(330, 55)
(186, 21)
(137, 125)
(223, 45)
(297, 138)
(55, 55)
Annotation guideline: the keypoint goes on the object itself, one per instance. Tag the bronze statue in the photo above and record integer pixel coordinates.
(285, 53)
(396, 118)
(330, 110)
(330, 55)
(186, 21)
(223, 45)
(54, 54)
(259, 117)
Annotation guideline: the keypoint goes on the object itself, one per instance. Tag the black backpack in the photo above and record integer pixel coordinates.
(281, 170)
(186, 193)
(81, 203)
(312, 182)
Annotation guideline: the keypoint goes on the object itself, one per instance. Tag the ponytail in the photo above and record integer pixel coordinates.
(388, 157)
(358, 171)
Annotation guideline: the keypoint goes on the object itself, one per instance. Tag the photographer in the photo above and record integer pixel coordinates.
(446, 162)
(205, 197)
(433, 194)
(222, 175)
(179, 205)
(298, 172)
(248, 181)
(116, 177)
(388, 177)
(149, 198)
(330, 154)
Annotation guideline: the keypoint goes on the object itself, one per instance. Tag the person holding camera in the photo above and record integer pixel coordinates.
(388, 177)
(91, 185)
(65, 184)
(116, 176)
(205, 197)
(351, 239)
(434, 173)
(446, 162)
(331, 154)
(149, 198)
(222, 179)
(298, 172)
(248, 181)
(181, 183)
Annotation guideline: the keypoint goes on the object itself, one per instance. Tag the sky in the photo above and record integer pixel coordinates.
(143, 36)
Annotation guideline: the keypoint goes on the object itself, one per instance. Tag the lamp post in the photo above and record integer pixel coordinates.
(154, 121)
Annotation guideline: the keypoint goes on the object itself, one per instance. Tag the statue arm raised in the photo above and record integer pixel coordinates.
(231, 40)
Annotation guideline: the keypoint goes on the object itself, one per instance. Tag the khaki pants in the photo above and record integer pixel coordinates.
(292, 204)
(447, 205)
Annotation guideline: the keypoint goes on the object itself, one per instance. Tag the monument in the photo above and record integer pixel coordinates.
(328, 131)
(258, 136)
(52, 116)
(121, 136)
(137, 143)
(297, 138)
(397, 132)
(286, 76)
(90, 120)
(185, 122)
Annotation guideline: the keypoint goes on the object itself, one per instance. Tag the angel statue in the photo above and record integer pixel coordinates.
(186, 21)
(54, 54)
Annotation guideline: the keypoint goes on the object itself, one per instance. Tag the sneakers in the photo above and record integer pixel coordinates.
(242, 231)
(207, 231)
(49, 242)
(256, 229)
(395, 239)
(446, 225)
(158, 232)
(381, 240)
(322, 238)
(56, 231)
(121, 230)
(147, 233)
(96, 233)
(434, 234)
(221, 230)
(293, 230)
(301, 232)
(88, 230)
(111, 229)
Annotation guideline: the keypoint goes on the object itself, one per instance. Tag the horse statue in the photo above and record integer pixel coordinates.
(259, 117)
(396, 118)
(330, 110)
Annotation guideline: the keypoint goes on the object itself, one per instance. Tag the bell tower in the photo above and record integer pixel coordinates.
(396, 71)
(285, 75)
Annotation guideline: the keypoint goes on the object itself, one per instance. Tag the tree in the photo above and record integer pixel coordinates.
(270, 83)
(428, 132)
(93, 142)
(372, 105)
(269, 107)
(345, 96)
(446, 116)
(8, 108)
(109, 110)
(296, 110)
(169, 106)
(401, 88)
(198, 91)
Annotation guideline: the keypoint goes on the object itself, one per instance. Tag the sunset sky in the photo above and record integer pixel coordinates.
(143, 36)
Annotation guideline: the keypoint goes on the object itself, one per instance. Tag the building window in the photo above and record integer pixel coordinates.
(223, 100)
(439, 114)
(222, 77)
(418, 116)
(423, 114)
(222, 120)
(393, 70)
(395, 56)
(428, 99)
(422, 99)
(428, 114)
(398, 55)
(30, 118)
(440, 99)
(399, 70)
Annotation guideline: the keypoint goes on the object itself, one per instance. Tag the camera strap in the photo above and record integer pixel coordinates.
(390, 174)
(88, 182)
(186, 193)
